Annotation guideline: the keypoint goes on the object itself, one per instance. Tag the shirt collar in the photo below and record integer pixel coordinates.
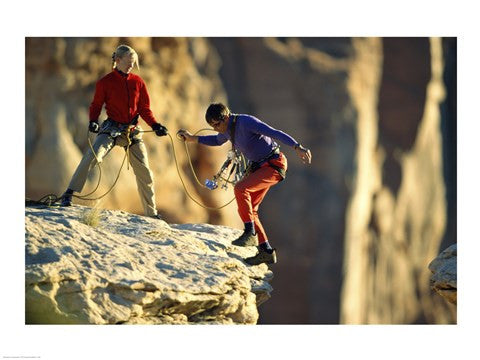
(121, 74)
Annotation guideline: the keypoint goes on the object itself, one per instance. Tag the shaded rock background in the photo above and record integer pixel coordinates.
(356, 230)
(135, 270)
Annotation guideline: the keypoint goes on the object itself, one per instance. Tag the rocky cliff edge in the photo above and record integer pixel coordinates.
(130, 269)
(444, 274)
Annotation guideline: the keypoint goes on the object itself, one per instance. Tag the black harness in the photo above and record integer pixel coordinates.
(114, 129)
(255, 165)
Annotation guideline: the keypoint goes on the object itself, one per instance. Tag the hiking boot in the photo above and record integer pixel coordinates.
(246, 239)
(262, 257)
(66, 200)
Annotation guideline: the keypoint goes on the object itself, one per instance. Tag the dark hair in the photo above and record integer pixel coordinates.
(216, 112)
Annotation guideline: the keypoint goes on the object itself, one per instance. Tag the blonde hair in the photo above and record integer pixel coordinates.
(123, 50)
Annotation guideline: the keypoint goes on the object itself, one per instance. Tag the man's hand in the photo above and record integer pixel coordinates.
(304, 154)
(93, 126)
(186, 136)
(159, 129)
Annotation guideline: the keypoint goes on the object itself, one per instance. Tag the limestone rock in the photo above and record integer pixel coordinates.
(444, 274)
(131, 269)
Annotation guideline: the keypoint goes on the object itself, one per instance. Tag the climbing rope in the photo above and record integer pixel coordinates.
(194, 174)
(50, 199)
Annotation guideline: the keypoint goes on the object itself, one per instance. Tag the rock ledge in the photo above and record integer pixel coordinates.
(132, 269)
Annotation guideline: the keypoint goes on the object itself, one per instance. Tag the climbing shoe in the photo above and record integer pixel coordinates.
(66, 200)
(262, 257)
(246, 239)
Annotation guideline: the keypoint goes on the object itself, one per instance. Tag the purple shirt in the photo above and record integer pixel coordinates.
(253, 137)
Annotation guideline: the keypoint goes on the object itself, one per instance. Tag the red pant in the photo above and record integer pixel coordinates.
(250, 192)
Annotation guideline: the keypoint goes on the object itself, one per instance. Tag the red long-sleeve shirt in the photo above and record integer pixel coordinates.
(123, 96)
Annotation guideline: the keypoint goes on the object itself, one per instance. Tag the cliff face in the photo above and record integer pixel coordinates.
(135, 270)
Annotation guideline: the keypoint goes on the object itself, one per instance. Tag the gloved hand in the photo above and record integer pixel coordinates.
(159, 129)
(93, 126)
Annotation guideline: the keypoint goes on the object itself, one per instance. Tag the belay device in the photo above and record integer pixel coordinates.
(238, 169)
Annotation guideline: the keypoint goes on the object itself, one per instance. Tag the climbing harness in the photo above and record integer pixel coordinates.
(274, 154)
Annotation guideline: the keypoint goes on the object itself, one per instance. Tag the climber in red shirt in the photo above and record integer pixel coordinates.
(126, 98)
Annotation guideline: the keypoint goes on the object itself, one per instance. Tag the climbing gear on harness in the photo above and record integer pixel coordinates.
(263, 256)
(93, 126)
(114, 129)
(246, 239)
(234, 157)
(211, 184)
(238, 169)
(274, 154)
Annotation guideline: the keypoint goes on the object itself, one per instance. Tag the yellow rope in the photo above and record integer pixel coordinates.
(84, 197)
(196, 178)
(190, 160)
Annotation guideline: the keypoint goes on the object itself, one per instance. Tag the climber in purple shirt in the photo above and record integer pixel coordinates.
(256, 140)
(253, 137)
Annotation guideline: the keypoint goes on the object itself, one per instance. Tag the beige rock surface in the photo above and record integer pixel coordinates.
(136, 270)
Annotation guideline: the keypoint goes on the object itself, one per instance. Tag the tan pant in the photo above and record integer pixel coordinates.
(138, 160)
